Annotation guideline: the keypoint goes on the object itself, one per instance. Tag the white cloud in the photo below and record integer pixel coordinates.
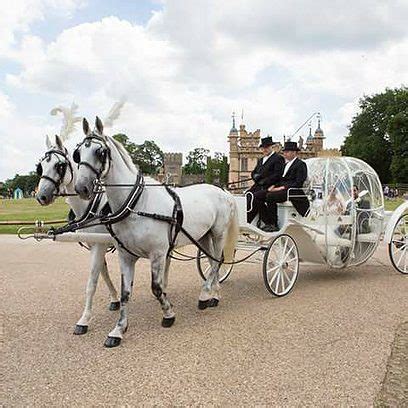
(194, 62)
(17, 15)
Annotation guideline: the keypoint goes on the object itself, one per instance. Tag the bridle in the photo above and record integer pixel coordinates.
(103, 154)
(61, 167)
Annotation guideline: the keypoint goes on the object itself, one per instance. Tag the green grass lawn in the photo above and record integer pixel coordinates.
(391, 205)
(28, 209)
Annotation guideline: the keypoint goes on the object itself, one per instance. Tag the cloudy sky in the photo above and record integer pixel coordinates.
(184, 66)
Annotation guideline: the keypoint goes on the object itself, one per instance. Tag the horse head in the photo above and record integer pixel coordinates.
(55, 171)
(93, 158)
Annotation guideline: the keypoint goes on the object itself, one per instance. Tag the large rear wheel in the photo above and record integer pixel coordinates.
(281, 265)
(204, 267)
(398, 247)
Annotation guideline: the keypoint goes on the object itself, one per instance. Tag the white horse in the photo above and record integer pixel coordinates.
(210, 217)
(58, 175)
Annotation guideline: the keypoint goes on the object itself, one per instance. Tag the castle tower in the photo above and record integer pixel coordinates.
(172, 164)
(233, 152)
(318, 137)
(309, 140)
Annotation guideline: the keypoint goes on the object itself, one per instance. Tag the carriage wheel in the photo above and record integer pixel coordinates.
(281, 265)
(398, 247)
(204, 267)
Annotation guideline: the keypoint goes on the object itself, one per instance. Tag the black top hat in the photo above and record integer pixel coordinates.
(291, 146)
(266, 141)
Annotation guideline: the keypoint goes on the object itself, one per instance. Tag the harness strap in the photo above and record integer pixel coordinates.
(178, 216)
(128, 205)
(118, 241)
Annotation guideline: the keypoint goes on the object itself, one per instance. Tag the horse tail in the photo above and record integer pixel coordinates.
(232, 234)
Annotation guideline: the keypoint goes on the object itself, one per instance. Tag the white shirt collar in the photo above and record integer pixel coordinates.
(265, 158)
(287, 166)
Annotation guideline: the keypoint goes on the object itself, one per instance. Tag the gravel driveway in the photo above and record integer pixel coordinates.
(325, 344)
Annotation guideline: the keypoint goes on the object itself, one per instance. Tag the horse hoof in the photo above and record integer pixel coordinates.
(112, 342)
(203, 304)
(168, 322)
(80, 329)
(114, 306)
(213, 302)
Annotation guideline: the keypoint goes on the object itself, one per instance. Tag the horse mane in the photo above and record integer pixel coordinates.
(124, 154)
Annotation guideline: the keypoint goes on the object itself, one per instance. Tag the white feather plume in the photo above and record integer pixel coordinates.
(69, 121)
(113, 114)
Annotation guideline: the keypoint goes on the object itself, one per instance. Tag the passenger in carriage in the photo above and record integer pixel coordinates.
(293, 178)
(362, 204)
(267, 172)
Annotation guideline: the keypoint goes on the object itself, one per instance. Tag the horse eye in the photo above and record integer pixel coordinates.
(76, 156)
(101, 153)
(60, 167)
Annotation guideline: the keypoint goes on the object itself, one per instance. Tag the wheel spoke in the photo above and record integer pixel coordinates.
(293, 259)
(277, 282)
(284, 248)
(283, 282)
(403, 256)
(272, 269)
(273, 277)
(287, 277)
(401, 248)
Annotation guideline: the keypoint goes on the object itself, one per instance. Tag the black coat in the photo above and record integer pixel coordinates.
(294, 179)
(268, 174)
(296, 175)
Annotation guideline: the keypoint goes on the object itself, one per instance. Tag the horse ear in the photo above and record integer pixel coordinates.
(85, 126)
(48, 142)
(58, 141)
(99, 125)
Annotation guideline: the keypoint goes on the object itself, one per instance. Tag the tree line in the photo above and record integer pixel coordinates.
(378, 134)
(149, 157)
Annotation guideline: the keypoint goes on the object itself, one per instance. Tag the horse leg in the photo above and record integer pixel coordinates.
(115, 302)
(127, 269)
(166, 273)
(97, 265)
(159, 264)
(209, 292)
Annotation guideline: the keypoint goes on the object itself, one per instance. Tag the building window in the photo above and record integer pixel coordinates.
(243, 184)
(244, 164)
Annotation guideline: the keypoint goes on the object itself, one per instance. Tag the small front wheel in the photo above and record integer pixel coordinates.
(204, 267)
(281, 265)
(398, 247)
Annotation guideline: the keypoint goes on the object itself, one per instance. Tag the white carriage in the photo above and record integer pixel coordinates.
(343, 226)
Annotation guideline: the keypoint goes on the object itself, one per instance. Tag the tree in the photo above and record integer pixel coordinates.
(127, 144)
(217, 170)
(368, 138)
(196, 161)
(148, 156)
(27, 183)
(398, 132)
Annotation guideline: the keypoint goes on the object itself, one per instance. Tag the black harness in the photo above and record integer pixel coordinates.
(103, 154)
(61, 167)
(175, 221)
